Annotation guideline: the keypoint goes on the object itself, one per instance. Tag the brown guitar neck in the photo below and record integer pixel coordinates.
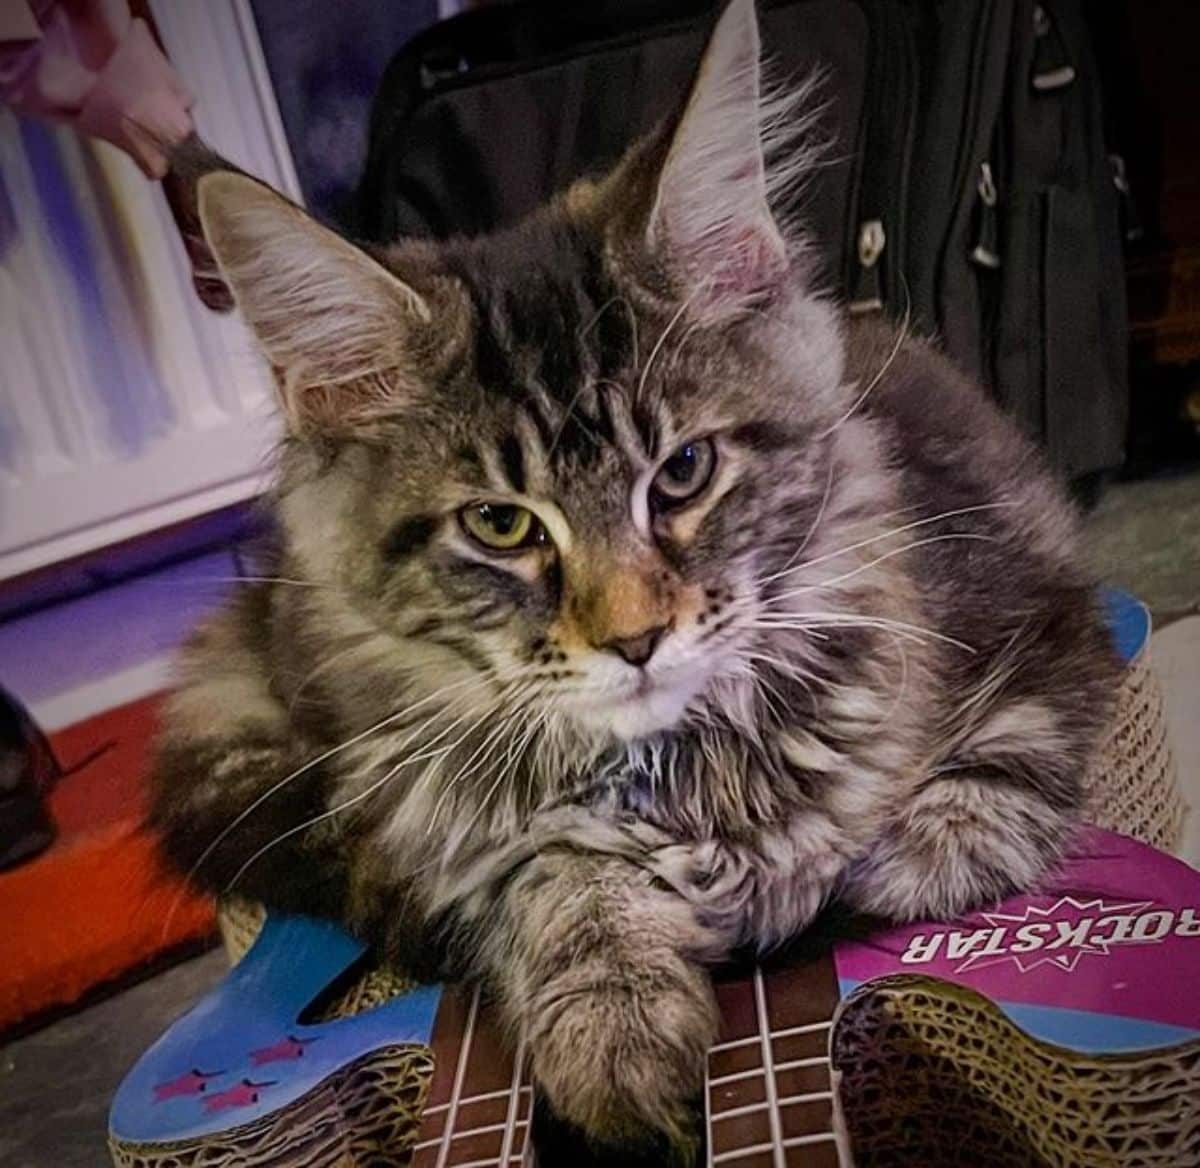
(768, 1092)
(769, 1095)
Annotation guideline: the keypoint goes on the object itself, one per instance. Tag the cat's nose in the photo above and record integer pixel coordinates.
(639, 649)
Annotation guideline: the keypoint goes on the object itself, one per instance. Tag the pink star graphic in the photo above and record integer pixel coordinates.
(285, 1050)
(243, 1094)
(193, 1082)
(1066, 910)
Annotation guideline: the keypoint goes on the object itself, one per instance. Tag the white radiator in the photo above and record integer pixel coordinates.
(125, 404)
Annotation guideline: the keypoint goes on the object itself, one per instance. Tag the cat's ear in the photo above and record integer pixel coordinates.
(332, 321)
(711, 222)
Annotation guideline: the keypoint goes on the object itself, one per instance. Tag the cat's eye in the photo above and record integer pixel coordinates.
(686, 473)
(501, 527)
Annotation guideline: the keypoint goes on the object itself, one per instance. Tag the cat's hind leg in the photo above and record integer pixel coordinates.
(997, 805)
(232, 781)
(987, 822)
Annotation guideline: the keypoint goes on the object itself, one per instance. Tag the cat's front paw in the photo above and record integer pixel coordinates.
(624, 1064)
(712, 880)
(745, 896)
(734, 899)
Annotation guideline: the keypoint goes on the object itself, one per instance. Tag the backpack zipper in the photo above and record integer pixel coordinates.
(868, 294)
(1052, 68)
(887, 133)
(986, 252)
(1131, 223)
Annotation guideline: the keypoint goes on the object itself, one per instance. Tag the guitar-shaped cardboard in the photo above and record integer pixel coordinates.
(1061, 1028)
(1058, 1028)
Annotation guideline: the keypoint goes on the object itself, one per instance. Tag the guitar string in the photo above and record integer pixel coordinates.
(510, 1123)
(708, 1127)
(527, 1158)
(438, 1108)
(751, 1108)
(768, 1058)
(778, 1146)
(813, 1138)
(790, 1032)
(484, 1098)
(793, 1064)
(785, 1145)
(460, 1074)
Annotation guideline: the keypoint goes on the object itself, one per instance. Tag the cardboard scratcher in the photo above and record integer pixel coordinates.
(255, 1074)
(929, 1070)
(935, 1075)
(1132, 786)
(1060, 1028)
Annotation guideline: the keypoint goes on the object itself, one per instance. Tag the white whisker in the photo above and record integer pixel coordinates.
(491, 737)
(802, 622)
(903, 686)
(678, 315)
(249, 810)
(420, 756)
(567, 415)
(812, 527)
(502, 773)
(630, 314)
(885, 535)
(878, 560)
(173, 583)
(319, 669)
(901, 337)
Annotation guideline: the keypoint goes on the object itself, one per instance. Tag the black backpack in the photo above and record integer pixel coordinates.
(969, 186)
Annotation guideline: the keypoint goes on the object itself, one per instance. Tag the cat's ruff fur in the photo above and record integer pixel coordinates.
(884, 670)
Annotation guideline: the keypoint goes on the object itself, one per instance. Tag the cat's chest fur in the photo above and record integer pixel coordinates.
(734, 783)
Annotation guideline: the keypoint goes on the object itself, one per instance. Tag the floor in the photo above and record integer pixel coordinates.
(1145, 536)
(55, 1084)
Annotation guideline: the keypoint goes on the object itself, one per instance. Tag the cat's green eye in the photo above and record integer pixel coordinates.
(686, 473)
(501, 527)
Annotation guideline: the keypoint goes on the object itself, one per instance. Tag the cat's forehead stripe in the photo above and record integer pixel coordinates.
(546, 336)
(647, 428)
(410, 536)
(512, 459)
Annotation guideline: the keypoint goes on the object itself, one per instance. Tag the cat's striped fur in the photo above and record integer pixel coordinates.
(883, 670)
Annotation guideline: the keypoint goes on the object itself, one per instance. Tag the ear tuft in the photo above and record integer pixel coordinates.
(711, 219)
(325, 313)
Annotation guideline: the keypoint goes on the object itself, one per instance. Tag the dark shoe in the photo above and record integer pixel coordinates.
(27, 771)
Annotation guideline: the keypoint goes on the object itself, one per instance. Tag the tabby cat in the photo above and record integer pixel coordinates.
(629, 604)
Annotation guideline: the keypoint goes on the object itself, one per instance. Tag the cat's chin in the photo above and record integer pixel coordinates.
(640, 714)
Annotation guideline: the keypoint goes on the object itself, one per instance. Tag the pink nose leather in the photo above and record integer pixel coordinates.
(637, 650)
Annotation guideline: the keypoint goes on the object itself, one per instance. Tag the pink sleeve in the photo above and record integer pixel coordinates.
(88, 64)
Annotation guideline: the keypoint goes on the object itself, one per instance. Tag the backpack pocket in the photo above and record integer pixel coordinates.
(1080, 367)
